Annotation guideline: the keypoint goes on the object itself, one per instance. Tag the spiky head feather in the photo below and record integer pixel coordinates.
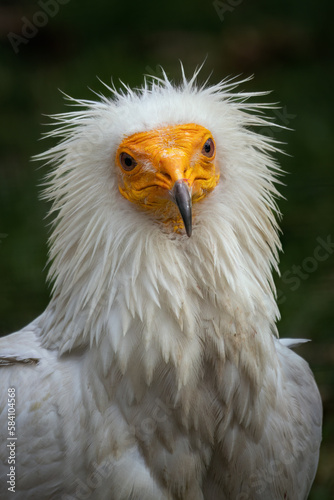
(124, 283)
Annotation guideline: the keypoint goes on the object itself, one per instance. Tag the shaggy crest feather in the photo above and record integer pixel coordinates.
(100, 262)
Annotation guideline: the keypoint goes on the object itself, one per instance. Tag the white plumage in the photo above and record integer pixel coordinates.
(155, 372)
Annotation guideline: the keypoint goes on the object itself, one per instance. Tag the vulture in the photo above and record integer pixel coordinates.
(156, 371)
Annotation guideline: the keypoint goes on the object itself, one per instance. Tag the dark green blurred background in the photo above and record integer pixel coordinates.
(288, 45)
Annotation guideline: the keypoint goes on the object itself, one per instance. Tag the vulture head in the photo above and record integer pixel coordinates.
(165, 222)
(170, 164)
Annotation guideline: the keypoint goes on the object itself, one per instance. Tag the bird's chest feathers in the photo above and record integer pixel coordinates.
(175, 392)
(191, 356)
(164, 320)
(182, 323)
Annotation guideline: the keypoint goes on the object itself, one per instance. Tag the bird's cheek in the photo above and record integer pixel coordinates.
(143, 191)
(204, 185)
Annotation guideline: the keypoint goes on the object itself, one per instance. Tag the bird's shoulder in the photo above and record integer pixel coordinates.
(23, 347)
(300, 413)
(43, 392)
(298, 380)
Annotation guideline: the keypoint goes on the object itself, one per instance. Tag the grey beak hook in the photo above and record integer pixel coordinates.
(182, 197)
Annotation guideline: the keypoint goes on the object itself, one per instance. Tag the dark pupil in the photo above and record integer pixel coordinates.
(128, 161)
(207, 147)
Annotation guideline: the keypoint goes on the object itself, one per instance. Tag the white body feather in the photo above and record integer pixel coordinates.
(159, 375)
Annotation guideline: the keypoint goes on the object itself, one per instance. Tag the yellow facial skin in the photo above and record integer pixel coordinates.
(151, 162)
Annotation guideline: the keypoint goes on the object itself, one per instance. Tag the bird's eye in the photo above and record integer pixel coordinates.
(128, 163)
(208, 148)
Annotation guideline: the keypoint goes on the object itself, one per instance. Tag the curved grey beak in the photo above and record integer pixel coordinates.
(182, 198)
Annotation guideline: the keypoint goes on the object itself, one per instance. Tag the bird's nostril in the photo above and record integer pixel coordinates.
(167, 176)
